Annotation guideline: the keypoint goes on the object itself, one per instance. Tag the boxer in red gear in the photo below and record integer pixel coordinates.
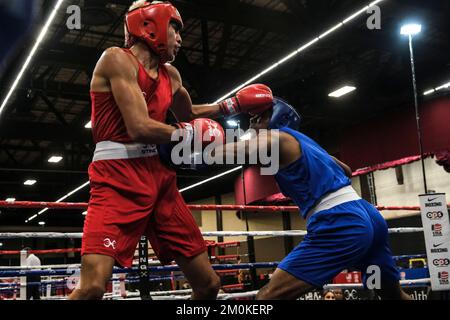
(132, 192)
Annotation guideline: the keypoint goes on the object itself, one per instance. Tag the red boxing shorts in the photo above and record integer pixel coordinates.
(135, 197)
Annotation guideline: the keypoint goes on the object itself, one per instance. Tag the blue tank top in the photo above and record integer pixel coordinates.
(312, 176)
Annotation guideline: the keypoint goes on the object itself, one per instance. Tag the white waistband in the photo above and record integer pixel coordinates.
(109, 150)
(345, 194)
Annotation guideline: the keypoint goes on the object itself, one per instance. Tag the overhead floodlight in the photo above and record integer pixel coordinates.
(29, 182)
(342, 91)
(55, 159)
(246, 136)
(411, 29)
(39, 39)
(232, 123)
(88, 125)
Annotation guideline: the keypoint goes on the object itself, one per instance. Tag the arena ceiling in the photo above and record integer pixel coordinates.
(224, 44)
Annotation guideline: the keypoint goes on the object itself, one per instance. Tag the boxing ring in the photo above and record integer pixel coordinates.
(61, 277)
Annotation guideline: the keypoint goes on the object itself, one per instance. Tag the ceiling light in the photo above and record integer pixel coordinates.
(29, 182)
(31, 54)
(342, 91)
(59, 200)
(10, 199)
(212, 178)
(246, 136)
(84, 213)
(232, 123)
(411, 29)
(444, 86)
(41, 223)
(300, 49)
(88, 125)
(55, 159)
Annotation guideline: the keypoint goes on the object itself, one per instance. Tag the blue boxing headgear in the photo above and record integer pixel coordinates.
(284, 115)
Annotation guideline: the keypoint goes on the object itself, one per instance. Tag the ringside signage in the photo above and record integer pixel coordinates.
(436, 228)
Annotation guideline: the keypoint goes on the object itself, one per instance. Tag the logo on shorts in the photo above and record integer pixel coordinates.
(443, 277)
(108, 243)
(437, 230)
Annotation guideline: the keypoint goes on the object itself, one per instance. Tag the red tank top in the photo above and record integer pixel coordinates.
(107, 121)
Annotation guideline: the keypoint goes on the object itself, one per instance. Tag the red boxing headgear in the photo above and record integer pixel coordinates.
(150, 23)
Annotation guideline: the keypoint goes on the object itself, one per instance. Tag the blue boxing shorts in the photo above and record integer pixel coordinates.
(351, 235)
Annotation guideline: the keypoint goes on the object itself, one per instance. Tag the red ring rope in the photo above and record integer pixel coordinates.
(232, 207)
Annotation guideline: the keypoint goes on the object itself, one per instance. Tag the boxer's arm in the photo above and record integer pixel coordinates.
(116, 67)
(250, 150)
(182, 105)
(346, 168)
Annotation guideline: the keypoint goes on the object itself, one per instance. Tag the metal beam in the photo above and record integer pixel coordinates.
(53, 109)
(205, 43)
(245, 15)
(13, 129)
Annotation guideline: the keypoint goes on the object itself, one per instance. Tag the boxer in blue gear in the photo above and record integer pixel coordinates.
(343, 230)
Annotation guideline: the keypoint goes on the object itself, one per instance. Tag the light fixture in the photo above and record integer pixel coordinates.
(59, 200)
(84, 213)
(210, 179)
(232, 123)
(246, 136)
(342, 91)
(10, 199)
(55, 159)
(41, 223)
(32, 53)
(88, 125)
(302, 48)
(29, 182)
(411, 29)
(444, 86)
(1, 244)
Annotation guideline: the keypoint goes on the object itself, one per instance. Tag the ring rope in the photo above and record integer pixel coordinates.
(78, 235)
(209, 207)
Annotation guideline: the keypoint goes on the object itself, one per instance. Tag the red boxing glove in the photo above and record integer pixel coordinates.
(205, 130)
(255, 98)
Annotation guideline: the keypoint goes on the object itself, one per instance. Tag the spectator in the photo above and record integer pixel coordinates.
(338, 294)
(33, 281)
(328, 295)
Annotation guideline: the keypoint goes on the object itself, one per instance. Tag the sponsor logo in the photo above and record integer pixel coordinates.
(108, 243)
(443, 277)
(442, 262)
(148, 149)
(436, 229)
(440, 250)
(433, 204)
(435, 215)
(438, 245)
(432, 199)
